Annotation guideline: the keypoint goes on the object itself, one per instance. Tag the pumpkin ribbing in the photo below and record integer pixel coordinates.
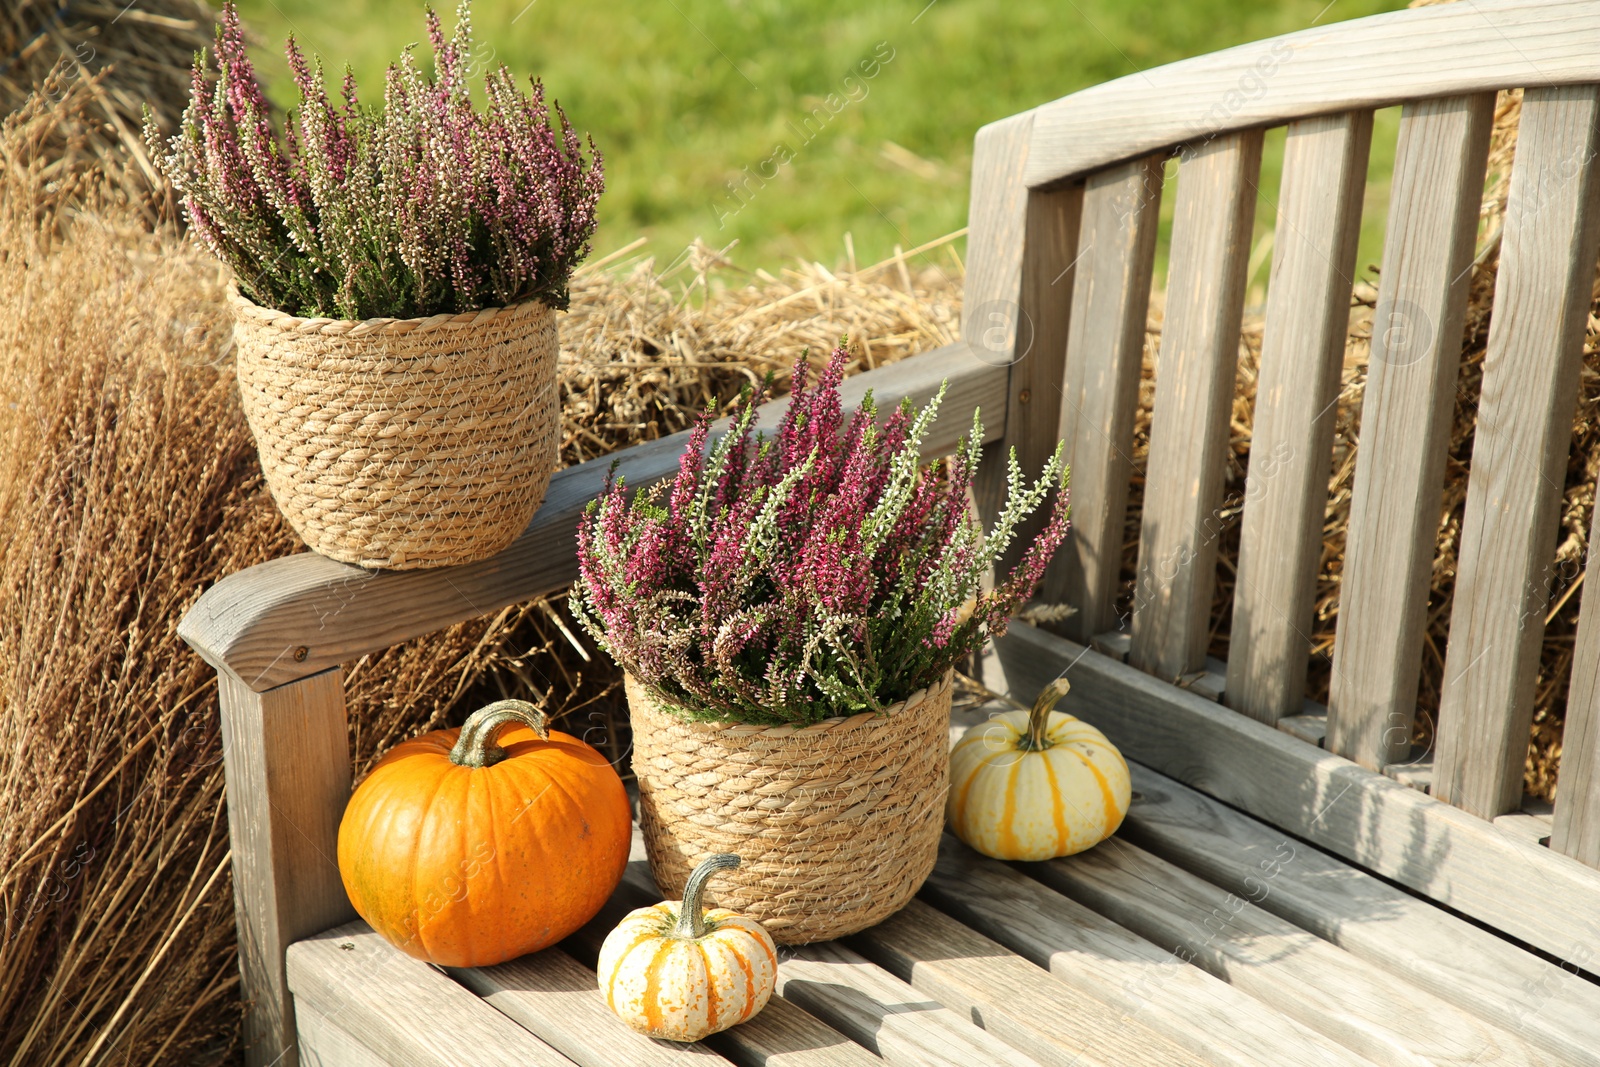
(1037, 784)
(471, 847)
(678, 972)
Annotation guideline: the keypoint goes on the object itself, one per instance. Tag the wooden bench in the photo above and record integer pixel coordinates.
(1275, 896)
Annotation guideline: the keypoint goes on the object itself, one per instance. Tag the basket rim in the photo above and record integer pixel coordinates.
(937, 690)
(261, 315)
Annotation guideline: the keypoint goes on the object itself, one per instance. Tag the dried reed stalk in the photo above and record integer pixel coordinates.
(126, 56)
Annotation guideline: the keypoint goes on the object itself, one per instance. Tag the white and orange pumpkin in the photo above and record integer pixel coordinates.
(677, 972)
(1032, 785)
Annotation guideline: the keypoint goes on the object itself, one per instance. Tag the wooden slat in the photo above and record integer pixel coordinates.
(557, 999)
(1113, 643)
(781, 1035)
(1194, 399)
(1369, 1011)
(294, 617)
(1033, 397)
(1535, 828)
(1576, 828)
(1311, 727)
(1291, 446)
(1413, 773)
(1543, 290)
(1091, 953)
(1367, 63)
(287, 761)
(1105, 349)
(408, 1013)
(886, 1015)
(1528, 827)
(1488, 976)
(1011, 998)
(325, 1044)
(1405, 426)
(1440, 851)
(1210, 681)
(997, 220)
(786, 1035)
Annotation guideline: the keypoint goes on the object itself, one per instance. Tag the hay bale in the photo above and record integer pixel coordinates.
(127, 56)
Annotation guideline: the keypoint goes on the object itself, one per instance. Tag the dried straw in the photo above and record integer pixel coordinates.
(127, 55)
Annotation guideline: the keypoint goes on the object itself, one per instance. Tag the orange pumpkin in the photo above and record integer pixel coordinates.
(470, 847)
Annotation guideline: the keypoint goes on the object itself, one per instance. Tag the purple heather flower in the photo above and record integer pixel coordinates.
(791, 579)
(422, 206)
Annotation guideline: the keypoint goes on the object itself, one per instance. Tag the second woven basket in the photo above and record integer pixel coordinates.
(403, 443)
(837, 824)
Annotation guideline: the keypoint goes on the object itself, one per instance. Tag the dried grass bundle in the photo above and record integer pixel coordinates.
(645, 349)
(125, 56)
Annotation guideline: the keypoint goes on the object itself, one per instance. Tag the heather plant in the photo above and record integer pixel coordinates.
(822, 572)
(422, 206)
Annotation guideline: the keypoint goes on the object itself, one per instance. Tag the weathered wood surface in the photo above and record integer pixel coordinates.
(1033, 396)
(884, 1014)
(1210, 681)
(1534, 828)
(287, 761)
(1416, 772)
(1297, 390)
(1440, 851)
(1327, 967)
(1576, 829)
(1310, 727)
(325, 1044)
(557, 999)
(1011, 998)
(1342, 66)
(408, 1013)
(1194, 400)
(1547, 1005)
(1113, 644)
(1094, 955)
(1405, 426)
(1100, 389)
(997, 222)
(294, 617)
(1504, 566)
(1371, 1012)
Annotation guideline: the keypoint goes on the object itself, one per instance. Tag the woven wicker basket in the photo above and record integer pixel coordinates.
(838, 823)
(403, 443)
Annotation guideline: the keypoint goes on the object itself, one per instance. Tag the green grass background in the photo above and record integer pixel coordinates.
(683, 95)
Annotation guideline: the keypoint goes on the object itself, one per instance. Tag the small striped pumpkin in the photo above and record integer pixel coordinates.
(680, 973)
(1030, 785)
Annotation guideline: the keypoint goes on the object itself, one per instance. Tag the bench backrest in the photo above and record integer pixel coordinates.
(1064, 214)
(1065, 202)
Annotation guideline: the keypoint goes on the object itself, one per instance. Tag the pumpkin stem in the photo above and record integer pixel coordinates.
(476, 746)
(1039, 717)
(691, 920)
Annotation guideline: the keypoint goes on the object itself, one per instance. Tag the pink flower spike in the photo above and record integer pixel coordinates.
(865, 570)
